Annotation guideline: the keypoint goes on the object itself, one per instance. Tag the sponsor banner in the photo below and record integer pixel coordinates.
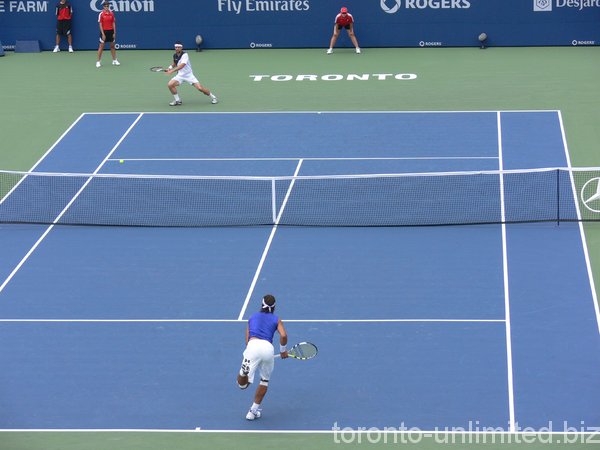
(542, 5)
(135, 6)
(28, 6)
(125, 46)
(265, 24)
(261, 45)
(556, 5)
(262, 6)
(577, 4)
(582, 42)
(395, 6)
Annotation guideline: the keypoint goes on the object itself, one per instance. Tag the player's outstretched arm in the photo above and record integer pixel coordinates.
(283, 339)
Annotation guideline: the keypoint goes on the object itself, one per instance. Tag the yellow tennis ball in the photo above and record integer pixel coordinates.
(121, 161)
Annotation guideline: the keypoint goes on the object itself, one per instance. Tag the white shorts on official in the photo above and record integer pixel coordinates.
(260, 354)
(186, 78)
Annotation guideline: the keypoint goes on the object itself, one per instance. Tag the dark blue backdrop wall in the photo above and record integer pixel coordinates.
(155, 24)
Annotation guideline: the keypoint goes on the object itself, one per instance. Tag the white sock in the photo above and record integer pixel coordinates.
(254, 407)
(177, 99)
(212, 95)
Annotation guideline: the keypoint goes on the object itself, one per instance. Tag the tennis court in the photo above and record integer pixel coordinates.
(130, 337)
(141, 328)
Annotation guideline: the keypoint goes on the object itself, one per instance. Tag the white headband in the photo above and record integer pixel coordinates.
(264, 305)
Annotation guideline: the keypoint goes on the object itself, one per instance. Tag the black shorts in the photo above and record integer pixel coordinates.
(110, 36)
(347, 27)
(63, 27)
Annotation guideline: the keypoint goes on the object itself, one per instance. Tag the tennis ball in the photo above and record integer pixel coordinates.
(121, 161)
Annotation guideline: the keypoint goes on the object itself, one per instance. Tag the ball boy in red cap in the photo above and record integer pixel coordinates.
(343, 20)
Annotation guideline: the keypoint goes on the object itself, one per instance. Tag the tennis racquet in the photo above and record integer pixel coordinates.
(158, 69)
(303, 350)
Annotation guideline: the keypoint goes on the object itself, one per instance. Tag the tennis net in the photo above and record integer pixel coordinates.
(410, 199)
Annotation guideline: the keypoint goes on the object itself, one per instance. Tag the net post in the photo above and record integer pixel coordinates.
(558, 197)
(273, 201)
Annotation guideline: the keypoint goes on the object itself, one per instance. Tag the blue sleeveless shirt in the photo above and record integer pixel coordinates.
(263, 326)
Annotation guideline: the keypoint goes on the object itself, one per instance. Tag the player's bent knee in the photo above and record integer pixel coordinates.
(264, 382)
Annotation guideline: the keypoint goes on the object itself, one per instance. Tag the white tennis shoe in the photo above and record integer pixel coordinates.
(253, 415)
(116, 63)
(329, 51)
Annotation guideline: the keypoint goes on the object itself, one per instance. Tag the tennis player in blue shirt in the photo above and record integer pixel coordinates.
(259, 352)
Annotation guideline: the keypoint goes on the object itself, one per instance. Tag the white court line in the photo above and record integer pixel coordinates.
(55, 221)
(237, 321)
(581, 229)
(383, 158)
(509, 364)
(42, 158)
(322, 112)
(268, 245)
(425, 433)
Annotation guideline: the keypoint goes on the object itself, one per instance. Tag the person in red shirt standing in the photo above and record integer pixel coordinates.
(108, 33)
(343, 20)
(64, 13)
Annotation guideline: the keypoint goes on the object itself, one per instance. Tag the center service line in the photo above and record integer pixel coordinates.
(269, 241)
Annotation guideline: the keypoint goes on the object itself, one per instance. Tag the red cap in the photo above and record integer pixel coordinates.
(344, 10)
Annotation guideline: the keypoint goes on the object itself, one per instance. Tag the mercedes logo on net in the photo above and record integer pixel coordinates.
(390, 9)
(590, 195)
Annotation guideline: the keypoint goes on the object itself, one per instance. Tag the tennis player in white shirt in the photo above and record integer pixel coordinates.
(183, 67)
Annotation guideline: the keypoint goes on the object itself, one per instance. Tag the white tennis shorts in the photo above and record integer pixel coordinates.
(186, 78)
(259, 354)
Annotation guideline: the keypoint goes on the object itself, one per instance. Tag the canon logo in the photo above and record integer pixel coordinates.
(125, 5)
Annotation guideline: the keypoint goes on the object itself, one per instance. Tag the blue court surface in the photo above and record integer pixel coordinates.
(428, 327)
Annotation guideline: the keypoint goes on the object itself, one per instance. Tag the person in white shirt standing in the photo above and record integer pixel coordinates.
(183, 67)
